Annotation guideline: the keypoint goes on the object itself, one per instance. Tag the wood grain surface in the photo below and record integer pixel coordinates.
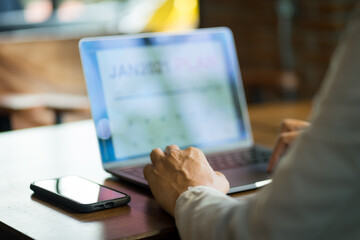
(71, 149)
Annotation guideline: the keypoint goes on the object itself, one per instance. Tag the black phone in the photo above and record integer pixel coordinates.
(79, 194)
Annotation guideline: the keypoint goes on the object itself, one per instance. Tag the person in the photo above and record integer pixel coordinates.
(315, 190)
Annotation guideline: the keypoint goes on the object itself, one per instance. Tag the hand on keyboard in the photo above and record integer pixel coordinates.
(173, 171)
(290, 129)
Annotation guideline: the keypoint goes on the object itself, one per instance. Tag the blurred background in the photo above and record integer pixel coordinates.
(284, 47)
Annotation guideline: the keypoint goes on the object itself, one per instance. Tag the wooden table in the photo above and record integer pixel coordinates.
(71, 149)
(56, 102)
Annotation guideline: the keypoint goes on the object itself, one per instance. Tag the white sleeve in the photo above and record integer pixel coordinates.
(315, 193)
(205, 213)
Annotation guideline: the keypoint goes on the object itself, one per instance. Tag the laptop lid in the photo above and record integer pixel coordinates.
(152, 90)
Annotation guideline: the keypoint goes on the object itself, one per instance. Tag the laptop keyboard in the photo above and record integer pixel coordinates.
(238, 158)
(135, 171)
(224, 160)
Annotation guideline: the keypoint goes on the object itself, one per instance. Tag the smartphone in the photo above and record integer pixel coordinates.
(79, 194)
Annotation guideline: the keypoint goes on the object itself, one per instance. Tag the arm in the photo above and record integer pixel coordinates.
(315, 193)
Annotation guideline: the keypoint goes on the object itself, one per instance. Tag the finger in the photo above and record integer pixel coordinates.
(156, 155)
(192, 149)
(290, 124)
(275, 156)
(148, 171)
(289, 137)
(170, 148)
(281, 146)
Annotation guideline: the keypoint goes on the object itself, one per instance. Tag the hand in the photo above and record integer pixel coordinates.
(172, 172)
(290, 129)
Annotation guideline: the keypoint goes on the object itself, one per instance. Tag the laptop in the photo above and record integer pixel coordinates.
(155, 89)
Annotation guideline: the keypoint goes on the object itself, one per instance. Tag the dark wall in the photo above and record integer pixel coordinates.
(313, 26)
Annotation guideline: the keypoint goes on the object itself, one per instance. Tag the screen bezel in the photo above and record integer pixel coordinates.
(88, 48)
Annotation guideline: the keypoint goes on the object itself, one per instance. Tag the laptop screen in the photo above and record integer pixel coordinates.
(154, 90)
